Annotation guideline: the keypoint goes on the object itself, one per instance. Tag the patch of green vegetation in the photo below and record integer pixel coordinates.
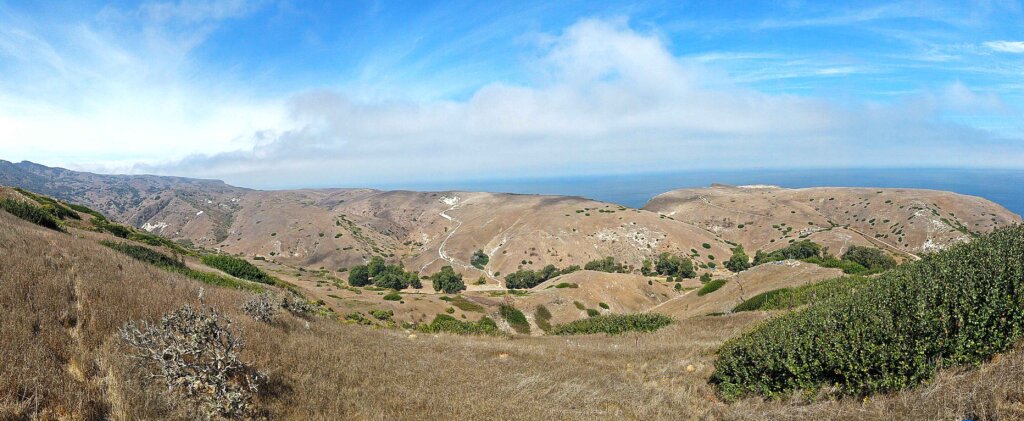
(603, 305)
(463, 304)
(579, 305)
(449, 324)
(168, 263)
(567, 285)
(393, 296)
(608, 264)
(382, 315)
(57, 209)
(31, 213)
(956, 307)
(785, 298)
(711, 286)
(542, 316)
(237, 267)
(514, 317)
(592, 312)
(614, 324)
(525, 279)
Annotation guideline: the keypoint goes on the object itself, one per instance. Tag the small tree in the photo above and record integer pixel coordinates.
(739, 260)
(447, 280)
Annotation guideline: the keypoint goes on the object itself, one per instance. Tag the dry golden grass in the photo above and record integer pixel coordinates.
(63, 298)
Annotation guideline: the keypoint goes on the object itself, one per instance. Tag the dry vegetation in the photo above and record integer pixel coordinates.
(65, 297)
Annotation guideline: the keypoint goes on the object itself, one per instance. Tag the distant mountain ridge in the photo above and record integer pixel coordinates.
(337, 228)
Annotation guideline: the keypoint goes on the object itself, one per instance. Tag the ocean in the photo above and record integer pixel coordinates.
(1005, 187)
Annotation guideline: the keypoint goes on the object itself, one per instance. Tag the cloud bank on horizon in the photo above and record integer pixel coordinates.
(266, 94)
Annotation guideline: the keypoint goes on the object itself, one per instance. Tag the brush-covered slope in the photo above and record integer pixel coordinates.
(902, 221)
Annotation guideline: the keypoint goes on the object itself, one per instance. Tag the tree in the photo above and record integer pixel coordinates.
(739, 260)
(447, 280)
(358, 276)
(376, 266)
(479, 259)
(607, 264)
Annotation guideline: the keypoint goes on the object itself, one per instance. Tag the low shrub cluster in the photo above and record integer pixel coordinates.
(514, 317)
(787, 298)
(956, 307)
(542, 316)
(463, 304)
(31, 213)
(711, 286)
(163, 261)
(614, 324)
(449, 324)
(237, 267)
(58, 209)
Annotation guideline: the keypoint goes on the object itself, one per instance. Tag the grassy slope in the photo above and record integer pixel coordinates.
(65, 296)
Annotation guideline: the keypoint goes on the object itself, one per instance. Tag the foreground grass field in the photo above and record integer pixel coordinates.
(64, 297)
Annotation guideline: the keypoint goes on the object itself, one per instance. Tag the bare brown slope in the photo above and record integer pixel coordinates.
(903, 221)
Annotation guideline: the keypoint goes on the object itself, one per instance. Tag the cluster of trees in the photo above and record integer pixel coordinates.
(669, 265)
(608, 264)
(802, 249)
(447, 280)
(526, 278)
(871, 258)
(383, 275)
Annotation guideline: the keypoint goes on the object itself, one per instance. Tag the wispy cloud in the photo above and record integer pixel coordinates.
(1006, 46)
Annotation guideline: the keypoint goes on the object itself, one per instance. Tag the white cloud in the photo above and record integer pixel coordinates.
(1006, 46)
(610, 100)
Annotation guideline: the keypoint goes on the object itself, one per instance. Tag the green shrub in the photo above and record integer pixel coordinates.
(711, 286)
(848, 267)
(31, 213)
(956, 307)
(706, 245)
(739, 260)
(614, 324)
(57, 209)
(239, 268)
(382, 315)
(393, 296)
(705, 278)
(603, 305)
(579, 305)
(449, 324)
(567, 285)
(514, 317)
(543, 318)
(592, 313)
(163, 261)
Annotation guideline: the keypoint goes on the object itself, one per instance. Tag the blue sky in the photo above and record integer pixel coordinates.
(286, 94)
